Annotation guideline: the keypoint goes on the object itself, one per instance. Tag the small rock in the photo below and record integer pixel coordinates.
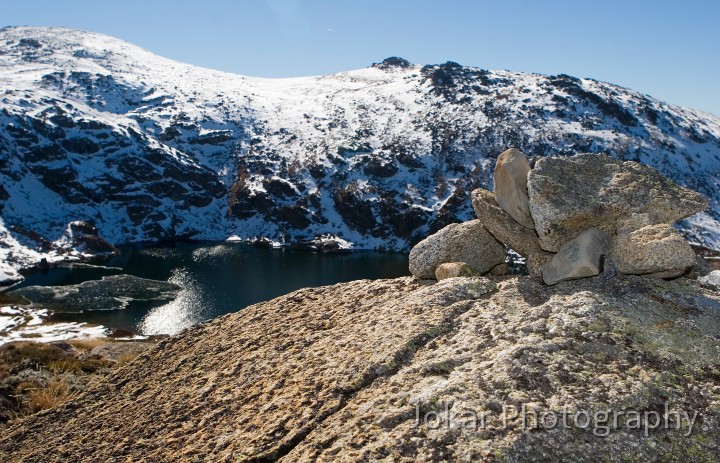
(121, 333)
(454, 269)
(82, 228)
(467, 242)
(330, 246)
(568, 195)
(711, 280)
(66, 347)
(499, 223)
(510, 186)
(656, 250)
(578, 258)
(322, 243)
(262, 242)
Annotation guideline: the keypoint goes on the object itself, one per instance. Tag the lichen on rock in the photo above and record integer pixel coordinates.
(656, 250)
(393, 370)
(454, 269)
(570, 194)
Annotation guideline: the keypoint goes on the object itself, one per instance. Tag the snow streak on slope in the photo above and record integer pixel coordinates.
(96, 129)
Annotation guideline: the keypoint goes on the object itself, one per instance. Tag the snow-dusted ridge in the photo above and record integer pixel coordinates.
(94, 128)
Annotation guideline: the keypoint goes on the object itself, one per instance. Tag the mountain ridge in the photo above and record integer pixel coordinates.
(150, 149)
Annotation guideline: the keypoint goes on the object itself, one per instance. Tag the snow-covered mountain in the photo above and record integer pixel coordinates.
(93, 128)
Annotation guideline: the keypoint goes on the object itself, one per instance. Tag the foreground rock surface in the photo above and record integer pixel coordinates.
(568, 195)
(467, 242)
(335, 374)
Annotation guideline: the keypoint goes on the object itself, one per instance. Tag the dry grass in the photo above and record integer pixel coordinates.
(88, 344)
(56, 392)
(32, 395)
(26, 387)
(37, 355)
(64, 366)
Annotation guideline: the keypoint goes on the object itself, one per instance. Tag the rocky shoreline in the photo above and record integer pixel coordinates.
(82, 246)
(79, 244)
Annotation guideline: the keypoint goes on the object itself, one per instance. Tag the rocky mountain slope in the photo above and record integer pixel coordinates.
(93, 128)
(414, 370)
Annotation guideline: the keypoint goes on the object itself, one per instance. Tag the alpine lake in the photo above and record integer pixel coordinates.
(191, 283)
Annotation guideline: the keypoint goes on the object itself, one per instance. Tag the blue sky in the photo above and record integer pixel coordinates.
(668, 49)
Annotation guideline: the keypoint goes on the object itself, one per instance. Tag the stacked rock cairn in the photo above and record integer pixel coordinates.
(569, 217)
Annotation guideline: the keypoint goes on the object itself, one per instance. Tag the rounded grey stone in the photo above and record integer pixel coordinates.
(467, 242)
(580, 257)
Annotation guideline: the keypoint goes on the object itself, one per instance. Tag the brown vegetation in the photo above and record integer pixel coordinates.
(37, 376)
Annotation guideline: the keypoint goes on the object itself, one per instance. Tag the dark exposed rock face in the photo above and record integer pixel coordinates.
(406, 222)
(295, 216)
(380, 167)
(280, 188)
(340, 373)
(244, 204)
(83, 237)
(355, 211)
(139, 180)
(392, 63)
(3, 197)
(80, 146)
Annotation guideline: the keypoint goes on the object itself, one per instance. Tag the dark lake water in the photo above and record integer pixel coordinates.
(215, 279)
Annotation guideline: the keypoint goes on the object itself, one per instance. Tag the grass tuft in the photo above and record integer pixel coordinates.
(56, 393)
